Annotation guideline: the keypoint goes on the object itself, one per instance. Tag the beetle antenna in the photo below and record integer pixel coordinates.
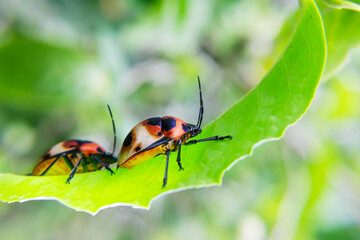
(201, 110)
(114, 129)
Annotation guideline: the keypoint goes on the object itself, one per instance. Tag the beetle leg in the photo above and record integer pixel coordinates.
(179, 156)
(52, 164)
(83, 163)
(102, 163)
(58, 156)
(161, 141)
(166, 168)
(215, 138)
(68, 162)
(74, 170)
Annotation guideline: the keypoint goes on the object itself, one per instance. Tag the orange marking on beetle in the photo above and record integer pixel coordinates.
(177, 131)
(91, 147)
(152, 129)
(70, 144)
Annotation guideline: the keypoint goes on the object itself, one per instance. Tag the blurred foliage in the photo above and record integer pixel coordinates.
(72, 57)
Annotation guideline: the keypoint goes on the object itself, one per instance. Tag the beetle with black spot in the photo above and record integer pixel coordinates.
(75, 156)
(161, 135)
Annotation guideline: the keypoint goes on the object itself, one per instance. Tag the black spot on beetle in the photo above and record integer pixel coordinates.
(47, 156)
(168, 124)
(154, 121)
(128, 140)
(99, 150)
(184, 127)
(137, 149)
(159, 133)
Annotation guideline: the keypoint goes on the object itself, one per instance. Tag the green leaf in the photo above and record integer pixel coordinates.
(341, 4)
(263, 114)
(341, 22)
(342, 32)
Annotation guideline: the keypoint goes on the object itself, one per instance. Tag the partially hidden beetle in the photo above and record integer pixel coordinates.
(161, 135)
(75, 156)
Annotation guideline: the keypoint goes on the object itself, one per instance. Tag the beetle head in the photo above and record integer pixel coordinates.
(194, 130)
(110, 158)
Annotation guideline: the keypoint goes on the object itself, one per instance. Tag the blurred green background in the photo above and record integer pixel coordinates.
(62, 61)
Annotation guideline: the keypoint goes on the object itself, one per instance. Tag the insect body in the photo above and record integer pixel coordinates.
(75, 156)
(156, 136)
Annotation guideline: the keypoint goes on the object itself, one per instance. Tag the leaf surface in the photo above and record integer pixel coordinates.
(341, 21)
(340, 4)
(280, 99)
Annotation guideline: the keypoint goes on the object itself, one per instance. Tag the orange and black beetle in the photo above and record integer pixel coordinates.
(65, 157)
(156, 136)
